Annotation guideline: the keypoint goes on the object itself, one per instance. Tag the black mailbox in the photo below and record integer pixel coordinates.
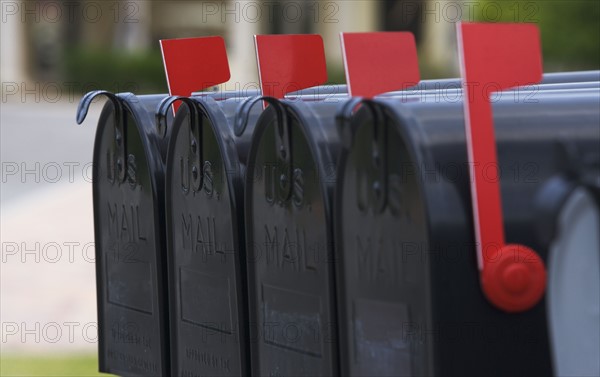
(288, 199)
(204, 209)
(410, 301)
(128, 192)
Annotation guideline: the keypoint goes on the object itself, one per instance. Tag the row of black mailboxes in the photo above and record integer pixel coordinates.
(325, 235)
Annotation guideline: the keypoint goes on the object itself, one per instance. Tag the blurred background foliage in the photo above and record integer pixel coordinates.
(71, 365)
(570, 30)
(117, 71)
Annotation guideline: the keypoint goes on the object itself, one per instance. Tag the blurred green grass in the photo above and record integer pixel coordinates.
(67, 365)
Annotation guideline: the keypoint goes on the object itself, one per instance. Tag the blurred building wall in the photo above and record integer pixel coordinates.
(36, 46)
(135, 36)
(438, 47)
(12, 51)
(346, 16)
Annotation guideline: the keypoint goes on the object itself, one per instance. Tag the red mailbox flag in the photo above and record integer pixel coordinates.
(193, 64)
(379, 62)
(288, 63)
(496, 57)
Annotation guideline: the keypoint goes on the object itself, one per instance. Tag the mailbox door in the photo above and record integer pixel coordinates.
(206, 251)
(290, 261)
(131, 302)
(381, 243)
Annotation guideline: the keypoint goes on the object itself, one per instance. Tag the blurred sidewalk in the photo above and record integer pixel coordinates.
(47, 273)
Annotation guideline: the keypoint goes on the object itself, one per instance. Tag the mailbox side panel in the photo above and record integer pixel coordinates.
(471, 336)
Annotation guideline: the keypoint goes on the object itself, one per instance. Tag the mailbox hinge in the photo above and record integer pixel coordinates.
(196, 170)
(120, 144)
(284, 156)
(379, 159)
(196, 149)
(120, 134)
